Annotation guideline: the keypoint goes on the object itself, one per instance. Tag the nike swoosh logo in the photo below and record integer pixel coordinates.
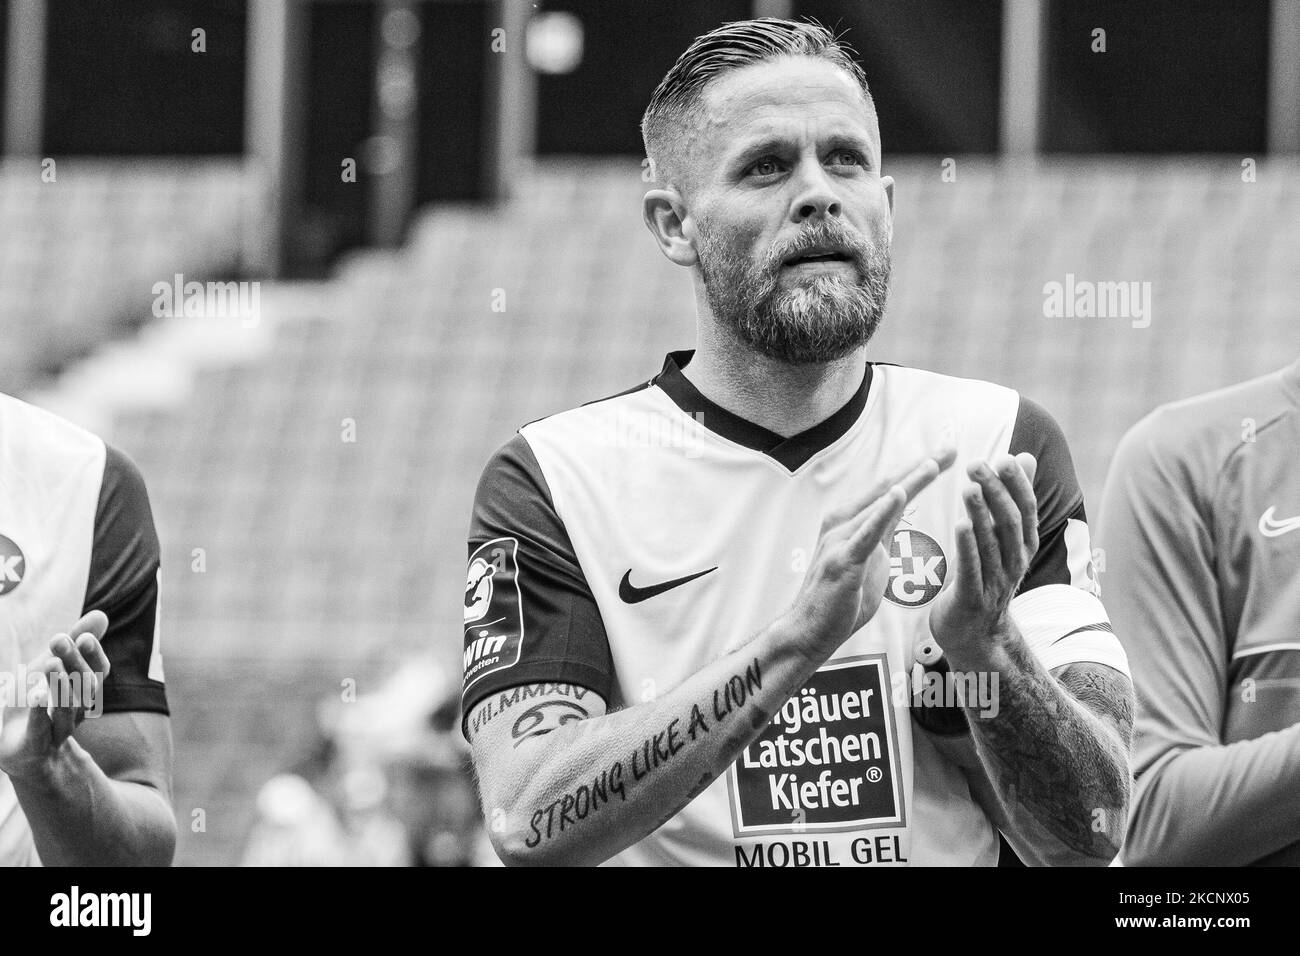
(634, 595)
(1271, 528)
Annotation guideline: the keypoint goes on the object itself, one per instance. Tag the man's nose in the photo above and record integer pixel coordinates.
(815, 197)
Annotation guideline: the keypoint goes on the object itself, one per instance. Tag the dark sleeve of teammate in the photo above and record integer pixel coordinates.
(123, 583)
(529, 615)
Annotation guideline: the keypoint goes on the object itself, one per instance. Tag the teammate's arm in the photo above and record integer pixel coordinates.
(1218, 805)
(1197, 801)
(95, 793)
(563, 782)
(1055, 752)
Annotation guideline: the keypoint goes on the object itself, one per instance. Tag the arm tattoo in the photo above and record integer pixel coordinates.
(1104, 691)
(497, 704)
(734, 711)
(1051, 754)
(543, 718)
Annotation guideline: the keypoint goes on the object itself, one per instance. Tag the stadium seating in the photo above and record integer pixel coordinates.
(79, 255)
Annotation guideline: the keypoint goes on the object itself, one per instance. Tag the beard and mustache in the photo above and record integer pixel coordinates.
(799, 321)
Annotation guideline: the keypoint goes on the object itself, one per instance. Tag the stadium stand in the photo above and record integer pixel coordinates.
(79, 255)
(327, 559)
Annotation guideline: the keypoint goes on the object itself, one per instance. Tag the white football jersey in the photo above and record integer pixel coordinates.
(624, 545)
(76, 534)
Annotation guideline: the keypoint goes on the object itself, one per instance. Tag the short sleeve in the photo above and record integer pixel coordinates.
(529, 614)
(123, 583)
(1058, 605)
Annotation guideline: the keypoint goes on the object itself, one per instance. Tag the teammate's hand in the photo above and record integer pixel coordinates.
(849, 570)
(994, 548)
(47, 714)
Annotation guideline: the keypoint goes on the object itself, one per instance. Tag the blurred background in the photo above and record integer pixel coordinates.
(309, 262)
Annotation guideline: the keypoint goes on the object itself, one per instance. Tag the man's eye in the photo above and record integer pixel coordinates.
(765, 167)
(847, 157)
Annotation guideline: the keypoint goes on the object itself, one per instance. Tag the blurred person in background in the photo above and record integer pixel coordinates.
(692, 609)
(85, 739)
(1200, 527)
(387, 785)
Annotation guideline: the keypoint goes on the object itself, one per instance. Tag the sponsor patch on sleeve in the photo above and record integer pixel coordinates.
(494, 616)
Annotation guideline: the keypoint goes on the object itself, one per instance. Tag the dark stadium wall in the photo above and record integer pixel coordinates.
(450, 126)
(948, 106)
(338, 89)
(1173, 77)
(104, 71)
(627, 49)
(453, 106)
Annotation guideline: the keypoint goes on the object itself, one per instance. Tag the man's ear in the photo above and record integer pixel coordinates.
(888, 183)
(665, 214)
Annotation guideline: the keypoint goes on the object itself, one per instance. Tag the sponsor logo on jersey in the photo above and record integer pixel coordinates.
(13, 565)
(917, 566)
(629, 593)
(827, 761)
(494, 616)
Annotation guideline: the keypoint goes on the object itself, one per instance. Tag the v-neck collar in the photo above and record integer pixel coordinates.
(790, 452)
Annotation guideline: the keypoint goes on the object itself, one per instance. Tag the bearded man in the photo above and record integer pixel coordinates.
(772, 625)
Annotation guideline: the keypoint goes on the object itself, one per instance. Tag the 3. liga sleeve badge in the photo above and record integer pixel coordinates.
(494, 619)
(917, 567)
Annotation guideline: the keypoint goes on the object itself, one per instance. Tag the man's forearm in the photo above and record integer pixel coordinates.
(81, 817)
(1223, 806)
(1059, 772)
(603, 784)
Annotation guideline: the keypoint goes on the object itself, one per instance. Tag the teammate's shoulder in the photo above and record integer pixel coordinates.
(38, 438)
(1210, 426)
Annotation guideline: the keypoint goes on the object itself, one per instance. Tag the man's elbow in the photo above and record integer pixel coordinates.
(156, 844)
(515, 837)
(1098, 852)
(1094, 841)
(160, 850)
(512, 849)
(1111, 823)
(519, 839)
(526, 847)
